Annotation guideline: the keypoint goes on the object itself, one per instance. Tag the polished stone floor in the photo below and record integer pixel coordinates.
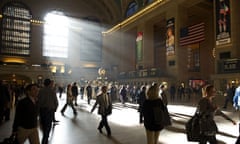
(124, 123)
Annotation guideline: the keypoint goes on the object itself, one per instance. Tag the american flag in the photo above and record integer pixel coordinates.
(192, 34)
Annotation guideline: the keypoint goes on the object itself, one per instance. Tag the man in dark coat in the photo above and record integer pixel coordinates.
(105, 108)
(75, 92)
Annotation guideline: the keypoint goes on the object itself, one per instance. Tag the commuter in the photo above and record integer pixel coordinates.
(82, 91)
(137, 92)
(236, 98)
(142, 98)
(17, 93)
(7, 112)
(236, 104)
(4, 102)
(172, 92)
(105, 109)
(132, 93)
(60, 90)
(48, 103)
(96, 90)
(123, 94)
(152, 108)
(207, 109)
(89, 93)
(26, 117)
(163, 95)
(113, 93)
(55, 90)
(69, 100)
(228, 96)
(181, 94)
(75, 92)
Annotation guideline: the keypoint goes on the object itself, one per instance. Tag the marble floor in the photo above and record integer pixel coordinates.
(124, 123)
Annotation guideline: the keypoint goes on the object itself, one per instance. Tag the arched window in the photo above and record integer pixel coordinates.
(55, 38)
(90, 40)
(15, 29)
(132, 8)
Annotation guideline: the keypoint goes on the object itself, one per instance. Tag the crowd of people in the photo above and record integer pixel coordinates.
(37, 105)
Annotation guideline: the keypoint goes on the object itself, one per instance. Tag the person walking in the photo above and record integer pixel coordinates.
(82, 91)
(26, 117)
(162, 94)
(69, 100)
(228, 96)
(4, 101)
(236, 104)
(207, 109)
(75, 92)
(142, 98)
(172, 92)
(60, 90)
(236, 98)
(53, 85)
(105, 109)
(152, 108)
(89, 93)
(48, 103)
(123, 94)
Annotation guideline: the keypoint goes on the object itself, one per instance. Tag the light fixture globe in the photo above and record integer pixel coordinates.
(101, 71)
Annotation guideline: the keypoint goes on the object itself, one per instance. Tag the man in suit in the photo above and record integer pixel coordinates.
(75, 92)
(105, 108)
(48, 104)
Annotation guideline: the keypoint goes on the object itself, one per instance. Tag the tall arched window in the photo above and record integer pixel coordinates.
(90, 41)
(15, 29)
(55, 39)
(132, 8)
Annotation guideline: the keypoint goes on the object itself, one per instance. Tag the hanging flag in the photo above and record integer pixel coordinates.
(192, 34)
(139, 49)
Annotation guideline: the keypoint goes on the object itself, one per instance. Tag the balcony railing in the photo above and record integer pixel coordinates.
(145, 73)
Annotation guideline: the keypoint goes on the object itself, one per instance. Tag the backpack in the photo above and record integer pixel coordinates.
(192, 128)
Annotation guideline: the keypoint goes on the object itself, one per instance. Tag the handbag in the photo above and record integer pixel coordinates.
(161, 116)
(166, 117)
(192, 128)
(208, 126)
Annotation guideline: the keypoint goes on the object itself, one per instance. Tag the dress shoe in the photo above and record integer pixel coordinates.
(109, 134)
(75, 113)
(100, 130)
(56, 121)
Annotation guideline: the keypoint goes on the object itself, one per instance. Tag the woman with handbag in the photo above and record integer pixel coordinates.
(153, 114)
(207, 110)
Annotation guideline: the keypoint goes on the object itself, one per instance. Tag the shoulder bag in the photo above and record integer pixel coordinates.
(192, 128)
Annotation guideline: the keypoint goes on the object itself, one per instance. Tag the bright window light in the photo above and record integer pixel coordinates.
(55, 40)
